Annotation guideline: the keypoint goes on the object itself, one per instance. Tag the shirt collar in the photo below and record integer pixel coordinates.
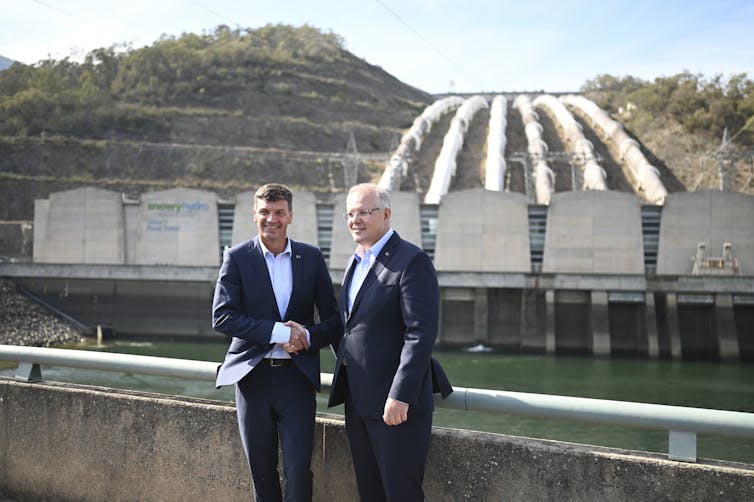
(374, 250)
(267, 252)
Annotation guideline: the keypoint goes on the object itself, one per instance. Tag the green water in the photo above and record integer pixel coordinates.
(695, 384)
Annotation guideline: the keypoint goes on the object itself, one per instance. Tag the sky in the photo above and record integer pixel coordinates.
(438, 46)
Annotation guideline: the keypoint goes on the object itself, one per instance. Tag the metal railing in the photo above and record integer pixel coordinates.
(682, 423)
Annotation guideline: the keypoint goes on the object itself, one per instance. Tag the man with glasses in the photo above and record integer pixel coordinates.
(384, 373)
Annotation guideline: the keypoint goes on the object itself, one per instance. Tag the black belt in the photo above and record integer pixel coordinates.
(276, 363)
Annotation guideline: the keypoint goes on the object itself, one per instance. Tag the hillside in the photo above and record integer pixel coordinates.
(681, 121)
(224, 111)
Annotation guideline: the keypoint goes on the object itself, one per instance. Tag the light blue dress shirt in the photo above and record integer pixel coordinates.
(364, 261)
(281, 276)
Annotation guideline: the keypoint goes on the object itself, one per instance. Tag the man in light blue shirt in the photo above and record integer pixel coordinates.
(265, 299)
(281, 277)
(384, 371)
(364, 261)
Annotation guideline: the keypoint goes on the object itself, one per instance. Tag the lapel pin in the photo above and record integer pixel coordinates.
(298, 256)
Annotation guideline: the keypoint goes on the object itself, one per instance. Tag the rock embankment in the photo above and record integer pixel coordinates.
(23, 322)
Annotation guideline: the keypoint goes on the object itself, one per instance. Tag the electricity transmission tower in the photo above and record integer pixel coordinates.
(726, 159)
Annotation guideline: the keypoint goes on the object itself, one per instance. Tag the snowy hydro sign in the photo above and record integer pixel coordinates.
(167, 216)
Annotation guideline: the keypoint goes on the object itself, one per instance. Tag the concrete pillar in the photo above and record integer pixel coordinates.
(671, 302)
(725, 324)
(600, 324)
(481, 325)
(550, 316)
(532, 321)
(653, 345)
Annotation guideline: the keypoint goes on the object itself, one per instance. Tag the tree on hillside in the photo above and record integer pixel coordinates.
(700, 105)
(191, 66)
(70, 98)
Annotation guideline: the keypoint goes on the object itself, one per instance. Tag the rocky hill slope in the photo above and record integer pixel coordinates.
(225, 112)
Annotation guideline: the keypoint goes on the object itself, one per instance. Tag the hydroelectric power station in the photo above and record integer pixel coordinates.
(542, 245)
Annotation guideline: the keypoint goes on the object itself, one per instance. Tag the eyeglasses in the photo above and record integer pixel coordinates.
(359, 214)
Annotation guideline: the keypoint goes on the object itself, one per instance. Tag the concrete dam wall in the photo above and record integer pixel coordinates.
(61, 442)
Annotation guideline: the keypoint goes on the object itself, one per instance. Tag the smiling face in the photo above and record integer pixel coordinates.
(272, 218)
(368, 229)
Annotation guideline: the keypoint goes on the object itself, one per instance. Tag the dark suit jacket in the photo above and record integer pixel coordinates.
(389, 334)
(245, 308)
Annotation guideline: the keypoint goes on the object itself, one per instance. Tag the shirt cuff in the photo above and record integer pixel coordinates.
(280, 333)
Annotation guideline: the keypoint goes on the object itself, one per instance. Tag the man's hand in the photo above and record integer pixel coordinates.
(395, 413)
(298, 339)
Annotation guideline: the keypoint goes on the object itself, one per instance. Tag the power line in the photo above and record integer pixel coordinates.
(61, 11)
(215, 13)
(430, 44)
(82, 19)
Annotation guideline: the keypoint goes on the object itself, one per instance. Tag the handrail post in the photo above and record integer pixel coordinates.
(28, 372)
(682, 446)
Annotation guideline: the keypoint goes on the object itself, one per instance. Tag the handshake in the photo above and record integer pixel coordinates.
(298, 341)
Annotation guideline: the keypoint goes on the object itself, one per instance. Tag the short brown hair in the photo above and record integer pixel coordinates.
(274, 191)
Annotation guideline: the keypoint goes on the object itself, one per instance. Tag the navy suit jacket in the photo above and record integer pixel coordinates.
(245, 308)
(389, 334)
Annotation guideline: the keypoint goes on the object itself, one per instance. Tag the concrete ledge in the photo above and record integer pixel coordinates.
(62, 442)
(495, 467)
(448, 279)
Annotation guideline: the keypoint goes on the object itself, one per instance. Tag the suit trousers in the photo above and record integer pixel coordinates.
(277, 402)
(389, 459)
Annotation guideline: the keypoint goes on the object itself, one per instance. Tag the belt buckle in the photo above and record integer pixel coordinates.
(276, 363)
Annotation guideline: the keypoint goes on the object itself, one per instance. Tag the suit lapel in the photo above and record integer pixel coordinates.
(345, 286)
(297, 267)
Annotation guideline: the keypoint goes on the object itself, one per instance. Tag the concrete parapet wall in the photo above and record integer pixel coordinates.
(593, 231)
(710, 217)
(480, 231)
(84, 225)
(63, 443)
(179, 227)
(485, 231)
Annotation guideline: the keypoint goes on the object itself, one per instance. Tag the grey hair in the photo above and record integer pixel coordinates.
(383, 195)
